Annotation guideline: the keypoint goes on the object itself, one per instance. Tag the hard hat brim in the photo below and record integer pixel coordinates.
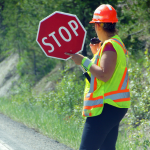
(93, 21)
(104, 21)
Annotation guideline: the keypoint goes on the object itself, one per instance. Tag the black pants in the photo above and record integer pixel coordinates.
(100, 132)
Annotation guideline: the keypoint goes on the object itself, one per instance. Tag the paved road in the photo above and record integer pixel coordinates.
(16, 136)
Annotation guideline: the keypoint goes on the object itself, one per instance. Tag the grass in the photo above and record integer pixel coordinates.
(45, 121)
(64, 130)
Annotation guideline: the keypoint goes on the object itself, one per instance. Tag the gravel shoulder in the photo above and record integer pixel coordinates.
(19, 137)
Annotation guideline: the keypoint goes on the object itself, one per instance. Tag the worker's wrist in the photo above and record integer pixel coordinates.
(86, 63)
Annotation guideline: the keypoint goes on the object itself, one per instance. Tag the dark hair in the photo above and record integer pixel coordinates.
(110, 27)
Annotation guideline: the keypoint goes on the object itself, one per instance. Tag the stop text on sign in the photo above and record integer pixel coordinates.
(73, 28)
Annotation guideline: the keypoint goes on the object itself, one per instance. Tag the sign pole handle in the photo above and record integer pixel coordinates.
(85, 73)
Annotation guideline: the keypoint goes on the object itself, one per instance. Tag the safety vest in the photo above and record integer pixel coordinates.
(115, 91)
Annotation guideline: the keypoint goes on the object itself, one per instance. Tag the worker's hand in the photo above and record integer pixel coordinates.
(95, 47)
(77, 58)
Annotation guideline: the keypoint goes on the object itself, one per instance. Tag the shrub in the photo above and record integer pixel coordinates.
(139, 73)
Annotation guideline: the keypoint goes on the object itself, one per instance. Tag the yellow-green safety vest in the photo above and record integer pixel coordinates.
(115, 91)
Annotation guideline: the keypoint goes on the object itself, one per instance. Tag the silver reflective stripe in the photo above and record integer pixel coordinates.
(91, 84)
(96, 57)
(121, 45)
(125, 82)
(118, 96)
(119, 42)
(93, 102)
(86, 112)
(92, 77)
(88, 95)
(86, 63)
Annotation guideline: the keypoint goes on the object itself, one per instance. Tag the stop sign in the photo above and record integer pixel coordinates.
(59, 33)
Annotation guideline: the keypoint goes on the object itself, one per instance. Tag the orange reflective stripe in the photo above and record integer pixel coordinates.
(90, 114)
(100, 52)
(97, 63)
(83, 114)
(106, 94)
(122, 100)
(118, 96)
(123, 91)
(116, 92)
(86, 113)
(127, 83)
(95, 106)
(91, 97)
(119, 44)
(95, 84)
(122, 45)
(122, 80)
(98, 60)
(125, 50)
(110, 93)
(95, 102)
(88, 96)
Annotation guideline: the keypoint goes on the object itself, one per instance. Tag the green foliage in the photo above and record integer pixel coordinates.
(134, 138)
(133, 24)
(43, 120)
(70, 99)
(67, 103)
(139, 72)
(66, 100)
(20, 21)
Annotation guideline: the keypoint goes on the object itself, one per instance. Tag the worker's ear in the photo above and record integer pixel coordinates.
(100, 26)
(97, 26)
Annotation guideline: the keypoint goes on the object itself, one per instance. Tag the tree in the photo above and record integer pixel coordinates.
(2, 27)
(21, 23)
(133, 24)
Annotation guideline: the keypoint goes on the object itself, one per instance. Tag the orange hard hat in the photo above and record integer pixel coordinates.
(105, 13)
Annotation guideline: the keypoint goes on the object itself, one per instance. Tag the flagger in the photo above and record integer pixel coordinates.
(107, 96)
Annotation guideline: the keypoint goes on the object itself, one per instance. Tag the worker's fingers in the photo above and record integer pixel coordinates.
(70, 54)
(77, 58)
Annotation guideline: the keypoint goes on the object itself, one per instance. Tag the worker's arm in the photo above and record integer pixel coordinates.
(107, 65)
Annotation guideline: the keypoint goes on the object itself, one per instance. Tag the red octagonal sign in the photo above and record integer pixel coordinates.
(59, 33)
